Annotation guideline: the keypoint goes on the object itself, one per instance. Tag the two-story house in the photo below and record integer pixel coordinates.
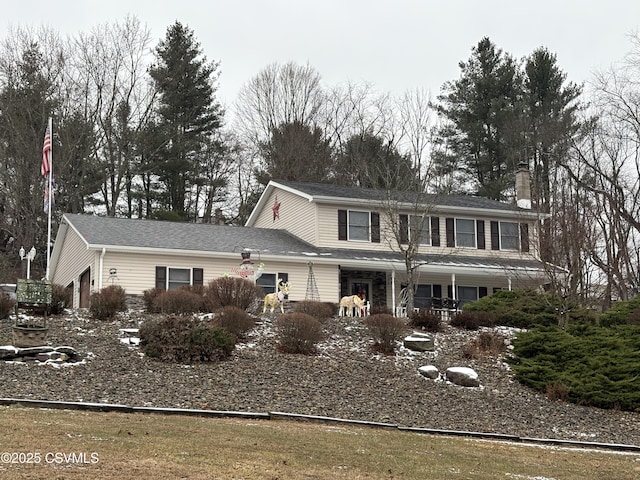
(327, 241)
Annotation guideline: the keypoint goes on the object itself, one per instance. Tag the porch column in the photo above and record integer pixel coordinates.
(509, 280)
(453, 286)
(393, 291)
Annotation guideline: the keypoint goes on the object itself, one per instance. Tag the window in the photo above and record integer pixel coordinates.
(415, 229)
(422, 297)
(467, 294)
(465, 233)
(359, 226)
(268, 281)
(509, 236)
(172, 278)
(178, 277)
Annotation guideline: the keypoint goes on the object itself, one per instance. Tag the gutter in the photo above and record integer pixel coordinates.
(101, 267)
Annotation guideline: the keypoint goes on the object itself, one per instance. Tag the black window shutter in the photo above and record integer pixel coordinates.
(495, 236)
(198, 276)
(404, 228)
(480, 234)
(435, 232)
(450, 233)
(450, 291)
(524, 237)
(342, 224)
(482, 292)
(161, 278)
(283, 277)
(375, 227)
(437, 291)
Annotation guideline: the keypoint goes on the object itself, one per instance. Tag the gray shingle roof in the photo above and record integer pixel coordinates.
(125, 232)
(369, 194)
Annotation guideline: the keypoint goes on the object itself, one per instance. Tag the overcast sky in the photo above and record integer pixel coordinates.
(396, 45)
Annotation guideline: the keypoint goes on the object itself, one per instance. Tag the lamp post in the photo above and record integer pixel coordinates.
(29, 256)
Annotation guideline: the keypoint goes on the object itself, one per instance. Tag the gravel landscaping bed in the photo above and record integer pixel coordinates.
(344, 380)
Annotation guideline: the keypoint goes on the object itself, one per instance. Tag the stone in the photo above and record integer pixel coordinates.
(420, 342)
(463, 376)
(7, 351)
(44, 354)
(429, 371)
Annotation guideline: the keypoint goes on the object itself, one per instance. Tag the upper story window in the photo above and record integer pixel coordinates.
(419, 228)
(509, 236)
(427, 229)
(359, 225)
(465, 233)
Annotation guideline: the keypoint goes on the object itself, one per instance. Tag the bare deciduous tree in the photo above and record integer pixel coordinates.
(111, 68)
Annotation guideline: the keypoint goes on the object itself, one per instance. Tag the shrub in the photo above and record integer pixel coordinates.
(557, 392)
(106, 303)
(598, 366)
(426, 319)
(487, 343)
(60, 299)
(179, 302)
(472, 320)
(298, 333)
(235, 320)
(6, 304)
(149, 296)
(528, 308)
(622, 312)
(319, 310)
(232, 292)
(184, 339)
(386, 331)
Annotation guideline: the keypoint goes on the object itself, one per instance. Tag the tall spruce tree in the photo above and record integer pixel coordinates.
(484, 111)
(188, 111)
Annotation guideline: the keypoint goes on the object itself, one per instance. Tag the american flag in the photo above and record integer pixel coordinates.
(46, 152)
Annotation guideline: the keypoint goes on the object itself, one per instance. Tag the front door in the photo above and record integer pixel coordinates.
(85, 289)
(362, 288)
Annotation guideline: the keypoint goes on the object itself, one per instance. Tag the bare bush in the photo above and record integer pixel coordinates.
(174, 338)
(232, 292)
(235, 320)
(319, 310)
(106, 303)
(386, 331)
(179, 302)
(298, 333)
(487, 343)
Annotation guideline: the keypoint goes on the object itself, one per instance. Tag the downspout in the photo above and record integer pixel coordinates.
(393, 291)
(100, 267)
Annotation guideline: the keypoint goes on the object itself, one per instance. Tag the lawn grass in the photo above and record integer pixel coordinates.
(140, 446)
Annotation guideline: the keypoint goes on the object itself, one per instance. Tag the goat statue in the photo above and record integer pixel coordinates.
(349, 303)
(274, 299)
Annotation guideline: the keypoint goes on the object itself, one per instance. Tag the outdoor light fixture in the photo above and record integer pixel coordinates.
(29, 256)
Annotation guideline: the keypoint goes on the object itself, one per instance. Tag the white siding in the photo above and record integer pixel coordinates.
(74, 259)
(136, 272)
(297, 215)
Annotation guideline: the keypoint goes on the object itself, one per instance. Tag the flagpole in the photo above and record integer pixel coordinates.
(49, 200)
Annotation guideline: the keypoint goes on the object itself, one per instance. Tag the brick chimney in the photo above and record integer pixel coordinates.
(523, 186)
